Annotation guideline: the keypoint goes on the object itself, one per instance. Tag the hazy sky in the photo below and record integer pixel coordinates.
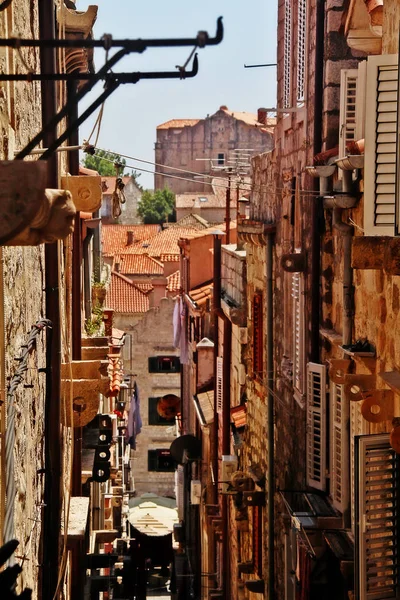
(133, 112)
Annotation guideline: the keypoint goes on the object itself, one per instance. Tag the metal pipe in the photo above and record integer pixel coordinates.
(270, 417)
(228, 211)
(346, 232)
(53, 465)
(315, 206)
(112, 84)
(201, 40)
(216, 307)
(86, 273)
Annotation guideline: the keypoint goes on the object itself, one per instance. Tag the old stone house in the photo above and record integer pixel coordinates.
(200, 145)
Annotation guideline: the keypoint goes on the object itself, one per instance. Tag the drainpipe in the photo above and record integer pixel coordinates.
(86, 273)
(315, 240)
(216, 308)
(346, 232)
(52, 511)
(270, 423)
(226, 446)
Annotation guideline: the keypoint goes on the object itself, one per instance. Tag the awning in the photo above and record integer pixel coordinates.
(204, 405)
(153, 515)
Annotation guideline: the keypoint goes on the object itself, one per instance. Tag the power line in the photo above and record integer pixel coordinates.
(270, 188)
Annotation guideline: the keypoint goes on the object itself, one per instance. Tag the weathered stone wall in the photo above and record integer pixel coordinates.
(152, 335)
(20, 120)
(218, 133)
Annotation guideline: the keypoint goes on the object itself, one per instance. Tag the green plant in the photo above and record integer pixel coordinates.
(94, 323)
(99, 285)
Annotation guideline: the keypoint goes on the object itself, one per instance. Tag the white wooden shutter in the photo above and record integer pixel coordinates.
(377, 504)
(219, 384)
(316, 426)
(287, 58)
(380, 145)
(298, 332)
(360, 100)
(358, 426)
(339, 447)
(347, 114)
(301, 49)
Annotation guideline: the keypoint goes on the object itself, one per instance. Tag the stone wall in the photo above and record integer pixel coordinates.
(218, 133)
(20, 120)
(151, 335)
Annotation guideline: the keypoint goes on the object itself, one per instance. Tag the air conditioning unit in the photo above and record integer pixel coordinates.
(228, 467)
(195, 491)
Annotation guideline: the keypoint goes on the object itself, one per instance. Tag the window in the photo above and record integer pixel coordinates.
(377, 528)
(160, 461)
(358, 426)
(154, 417)
(287, 60)
(316, 426)
(298, 334)
(221, 158)
(380, 146)
(257, 540)
(164, 364)
(301, 49)
(258, 338)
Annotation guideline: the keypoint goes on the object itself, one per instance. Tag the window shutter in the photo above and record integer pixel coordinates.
(380, 145)
(360, 100)
(287, 59)
(358, 426)
(219, 384)
(347, 115)
(301, 49)
(298, 332)
(316, 426)
(339, 447)
(377, 505)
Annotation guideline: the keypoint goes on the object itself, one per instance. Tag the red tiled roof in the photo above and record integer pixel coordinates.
(164, 245)
(138, 264)
(115, 237)
(145, 287)
(125, 297)
(174, 282)
(178, 123)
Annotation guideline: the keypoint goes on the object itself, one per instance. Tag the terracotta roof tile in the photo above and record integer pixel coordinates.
(138, 264)
(178, 123)
(198, 200)
(125, 297)
(115, 237)
(174, 282)
(164, 244)
(201, 294)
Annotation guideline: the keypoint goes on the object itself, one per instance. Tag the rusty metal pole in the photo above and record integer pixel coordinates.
(78, 550)
(228, 211)
(52, 510)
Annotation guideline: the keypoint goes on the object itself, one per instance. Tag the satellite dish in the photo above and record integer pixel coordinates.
(185, 447)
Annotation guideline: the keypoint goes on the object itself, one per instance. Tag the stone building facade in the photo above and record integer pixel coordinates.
(150, 337)
(203, 146)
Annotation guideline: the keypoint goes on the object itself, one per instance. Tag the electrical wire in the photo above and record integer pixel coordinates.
(268, 187)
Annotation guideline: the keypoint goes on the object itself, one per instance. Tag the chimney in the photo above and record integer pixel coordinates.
(131, 237)
(108, 321)
(159, 291)
(262, 115)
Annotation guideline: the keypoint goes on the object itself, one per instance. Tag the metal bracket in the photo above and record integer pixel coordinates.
(112, 80)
